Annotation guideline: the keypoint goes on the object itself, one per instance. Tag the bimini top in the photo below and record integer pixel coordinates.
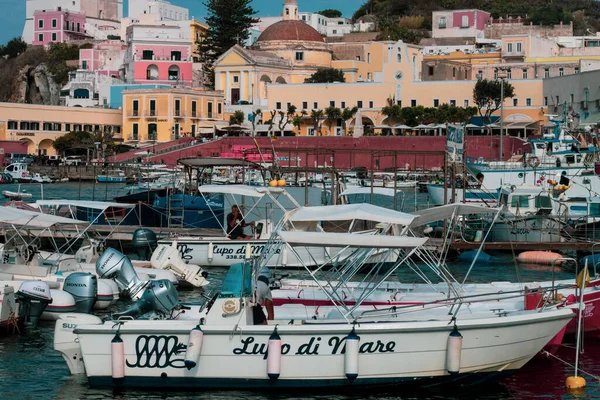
(240, 190)
(367, 190)
(96, 205)
(347, 212)
(34, 219)
(201, 162)
(354, 240)
(434, 214)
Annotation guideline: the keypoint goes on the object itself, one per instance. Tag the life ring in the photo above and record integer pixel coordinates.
(534, 162)
(23, 174)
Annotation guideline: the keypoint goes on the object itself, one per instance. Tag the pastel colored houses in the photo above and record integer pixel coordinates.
(159, 54)
(57, 26)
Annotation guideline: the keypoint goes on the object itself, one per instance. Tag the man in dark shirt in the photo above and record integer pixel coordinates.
(235, 229)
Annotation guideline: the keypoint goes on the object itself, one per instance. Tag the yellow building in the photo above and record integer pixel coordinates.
(161, 115)
(40, 125)
(197, 30)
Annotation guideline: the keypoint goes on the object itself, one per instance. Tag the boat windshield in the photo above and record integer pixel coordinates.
(237, 281)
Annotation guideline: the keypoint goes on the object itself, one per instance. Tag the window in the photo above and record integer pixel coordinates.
(209, 109)
(466, 76)
(78, 27)
(304, 105)
(452, 103)
(40, 37)
(315, 105)
(430, 70)
(54, 23)
(54, 36)
(442, 24)
(528, 102)
(371, 105)
(399, 102)
(520, 201)
(576, 70)
(546, 101)
(13, 125)
(436, 102)
(236, 79)
(359, 104)
(524, 73)
(83, 63)
(519, 47)
(399, 55)
(41, 23)
(177, 107)
(561, 71)
(288, 105)
(219, 108)
(572, 97)
(194, 108)
(546, 72)
(509, 74)
(343, 104)
(135, 131)
(454, 72)
(136, 108)
(68, 127)
(72, 26)
(152, 108)
(515, 102)
(466, 103)
(557, 100)
(299, 56)
(357, 58)
(413, 102)
(147, 55)
(509, 47)
(175, 56)
(278, 105)
(495, 74)
(368, 58)
(465, 21)
(310, 131)
(152, 130)
(332, 103)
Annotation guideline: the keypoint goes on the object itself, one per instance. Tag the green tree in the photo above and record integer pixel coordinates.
(316, 116)
(393, 112)
(330, 13)
(326, 75)
(487, 97)
(229, 23)
(348, 114)
(237, 118)
(396, 32)
(285, 117)
(333, 114)
(255, 115)
(13, 48)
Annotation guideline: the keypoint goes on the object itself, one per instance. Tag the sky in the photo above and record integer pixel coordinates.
(12, 19)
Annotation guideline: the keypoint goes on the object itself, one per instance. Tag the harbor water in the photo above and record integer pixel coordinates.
(31, 369)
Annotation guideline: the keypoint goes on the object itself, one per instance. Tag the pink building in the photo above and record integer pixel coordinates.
(459, 23)
(158, 54)
(104, 58)
(57, 26)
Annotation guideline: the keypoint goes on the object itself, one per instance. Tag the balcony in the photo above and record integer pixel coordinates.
(151, 113)
(178, 114)
(194, 114)
(245, 108)
(152, 137)
(514, 54)
(133, 138)
(134, 114)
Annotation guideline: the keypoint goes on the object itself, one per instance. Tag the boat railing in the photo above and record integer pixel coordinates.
(594, 258)
(563, 261)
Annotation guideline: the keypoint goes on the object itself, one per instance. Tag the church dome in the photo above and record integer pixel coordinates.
(290, 30)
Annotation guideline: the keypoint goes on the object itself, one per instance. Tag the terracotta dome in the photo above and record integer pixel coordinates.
(290, 30)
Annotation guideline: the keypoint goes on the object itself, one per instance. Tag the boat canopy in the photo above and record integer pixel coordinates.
(390, 192)
(434, 214)
(202, 162)
(240, 190)
(96, 205)
(321, 239)
(34, 219)
(346, 212)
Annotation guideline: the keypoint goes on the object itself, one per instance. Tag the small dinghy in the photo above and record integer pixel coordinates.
(16, 195)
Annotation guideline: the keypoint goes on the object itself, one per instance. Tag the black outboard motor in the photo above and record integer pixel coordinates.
(144, 243)
(113, 264)
(33, 297)
(159, 297)
(83, 286)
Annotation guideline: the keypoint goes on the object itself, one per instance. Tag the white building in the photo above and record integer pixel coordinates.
(111, 10)
(166, 10)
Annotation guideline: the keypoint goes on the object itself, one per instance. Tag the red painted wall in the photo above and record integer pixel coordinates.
(10, 146)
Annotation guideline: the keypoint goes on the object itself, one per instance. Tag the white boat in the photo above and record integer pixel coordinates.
(20, 173)
(16, 195)
(349, 348)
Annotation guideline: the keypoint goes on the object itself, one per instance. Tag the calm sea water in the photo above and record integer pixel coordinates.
(31, 369)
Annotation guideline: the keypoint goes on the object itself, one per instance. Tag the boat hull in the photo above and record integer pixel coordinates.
(526, 229)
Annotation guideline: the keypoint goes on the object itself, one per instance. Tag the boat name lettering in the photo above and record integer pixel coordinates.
(519, 231)
(184, 251)
(69, 326)
(157, 351)
(335, 345)
(240, 252)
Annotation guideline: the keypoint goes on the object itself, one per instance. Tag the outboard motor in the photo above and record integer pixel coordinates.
(144, 242)
(83, 286)
(113, 264)
(33, 297)
(167, 258)
(159, 297)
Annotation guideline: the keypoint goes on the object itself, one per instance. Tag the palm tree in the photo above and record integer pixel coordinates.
(316, 116)
(392, 112)
(347, 114)
(333, 114)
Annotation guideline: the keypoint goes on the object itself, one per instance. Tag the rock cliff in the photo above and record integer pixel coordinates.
(35, 85)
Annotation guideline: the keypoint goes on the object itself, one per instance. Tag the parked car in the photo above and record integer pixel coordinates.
(12, 158)
(73, 160)
(54, 160)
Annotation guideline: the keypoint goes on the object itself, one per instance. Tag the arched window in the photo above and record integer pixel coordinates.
(174, 73)
(152, 72)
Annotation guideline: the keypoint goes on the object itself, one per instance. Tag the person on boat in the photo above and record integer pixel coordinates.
(236, 225)
(263, 295)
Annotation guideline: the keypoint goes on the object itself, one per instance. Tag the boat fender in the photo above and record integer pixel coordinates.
(117, 357)
(453, 351)
(274, 356)
(192, 354)
(211, 251)
(23, 174)
(284, 256)
(351, 356)
(428, 229)
(579, 281)
(248, 251)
